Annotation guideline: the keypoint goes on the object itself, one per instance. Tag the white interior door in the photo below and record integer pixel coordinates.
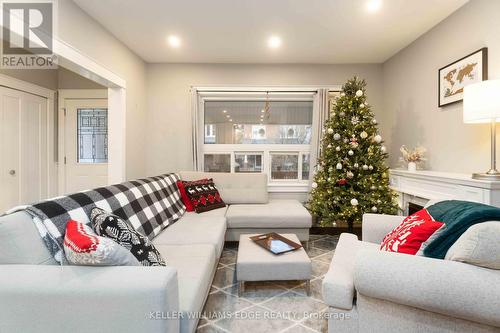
(23, 148)
(86, 144)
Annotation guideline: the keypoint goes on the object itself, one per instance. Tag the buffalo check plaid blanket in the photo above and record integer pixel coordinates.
(149, 205)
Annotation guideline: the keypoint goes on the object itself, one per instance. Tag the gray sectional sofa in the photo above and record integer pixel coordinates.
(369, 290)
(36, 295)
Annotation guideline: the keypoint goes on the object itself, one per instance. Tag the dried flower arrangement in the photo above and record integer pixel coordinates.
(415, 155)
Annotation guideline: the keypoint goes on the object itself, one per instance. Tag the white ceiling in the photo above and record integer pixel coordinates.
(236, 31)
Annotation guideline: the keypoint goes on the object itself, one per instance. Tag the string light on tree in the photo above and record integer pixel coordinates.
(353, 159)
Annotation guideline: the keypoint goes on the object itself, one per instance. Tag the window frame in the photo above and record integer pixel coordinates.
(283, 185)
(248, 153)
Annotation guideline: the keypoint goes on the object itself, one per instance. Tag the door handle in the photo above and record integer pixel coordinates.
(12, 172)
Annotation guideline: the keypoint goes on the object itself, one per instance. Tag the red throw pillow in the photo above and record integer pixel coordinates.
(203, 195)
(413, 234)
(184, 196)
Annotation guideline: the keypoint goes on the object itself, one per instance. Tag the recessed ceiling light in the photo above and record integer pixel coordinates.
(262, 110)
(274, 42)
(224, 111)
(373, 5)
(228, 116)
(174, 41)
(230, 120)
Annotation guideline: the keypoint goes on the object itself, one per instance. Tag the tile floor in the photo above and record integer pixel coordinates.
(277, 307)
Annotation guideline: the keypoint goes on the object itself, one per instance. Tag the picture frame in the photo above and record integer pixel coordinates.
(454, 77)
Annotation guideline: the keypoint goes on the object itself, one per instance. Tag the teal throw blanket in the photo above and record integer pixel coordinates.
(458, 216)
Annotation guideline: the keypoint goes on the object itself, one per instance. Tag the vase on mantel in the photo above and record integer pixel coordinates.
(412, 166)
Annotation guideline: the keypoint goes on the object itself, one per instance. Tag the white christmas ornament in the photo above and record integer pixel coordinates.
(330, 131)
(314, 185)
(350, 152)
(365, 167)
(356, 165)
(350, 174)
(373, 187)
(363, 135)
(374, 121)
(374, 209)
(339, 166)
(361, 105)
(341, 114)
(383, 149)
(342, 94)
(370, 167)
(359, 93)
(377, 138)
(355, 120)
(337, 148)
(329, 146)
(336, 136)
(354, 202)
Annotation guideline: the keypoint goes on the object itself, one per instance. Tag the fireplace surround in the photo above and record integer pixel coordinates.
(415, 189)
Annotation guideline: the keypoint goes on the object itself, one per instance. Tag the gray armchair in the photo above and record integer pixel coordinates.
(369, 290)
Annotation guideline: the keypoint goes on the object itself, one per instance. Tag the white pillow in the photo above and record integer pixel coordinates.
(479, 245)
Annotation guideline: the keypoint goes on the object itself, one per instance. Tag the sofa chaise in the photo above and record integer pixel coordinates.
(369, 290)
(251, 211)
(37, 295)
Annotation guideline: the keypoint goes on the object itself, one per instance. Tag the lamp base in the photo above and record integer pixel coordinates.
(492, 175)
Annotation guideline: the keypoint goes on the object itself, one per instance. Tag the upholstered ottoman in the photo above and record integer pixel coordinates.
(255, 263)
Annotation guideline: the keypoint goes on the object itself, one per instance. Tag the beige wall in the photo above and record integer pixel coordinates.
(53, 79)
(46, 78)
(411, 92)
(67, 79)
(82, 32)
(168, 132)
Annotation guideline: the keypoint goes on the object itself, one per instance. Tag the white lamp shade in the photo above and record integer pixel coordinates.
(482, 102)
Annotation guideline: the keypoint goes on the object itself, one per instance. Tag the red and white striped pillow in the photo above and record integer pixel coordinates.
(83, 247)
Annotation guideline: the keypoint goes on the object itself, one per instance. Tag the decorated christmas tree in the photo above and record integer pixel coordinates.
(351, 175)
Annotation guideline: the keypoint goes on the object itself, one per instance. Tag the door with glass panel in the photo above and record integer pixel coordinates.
(86, 144)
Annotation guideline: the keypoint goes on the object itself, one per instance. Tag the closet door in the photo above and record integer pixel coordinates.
(23, 148)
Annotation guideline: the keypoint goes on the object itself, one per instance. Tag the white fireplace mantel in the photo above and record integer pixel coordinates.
(421, 186)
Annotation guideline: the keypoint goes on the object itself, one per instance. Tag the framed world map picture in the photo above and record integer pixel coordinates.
(455, 76)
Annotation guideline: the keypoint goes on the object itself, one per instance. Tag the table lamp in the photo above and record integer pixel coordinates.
(482, 105)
